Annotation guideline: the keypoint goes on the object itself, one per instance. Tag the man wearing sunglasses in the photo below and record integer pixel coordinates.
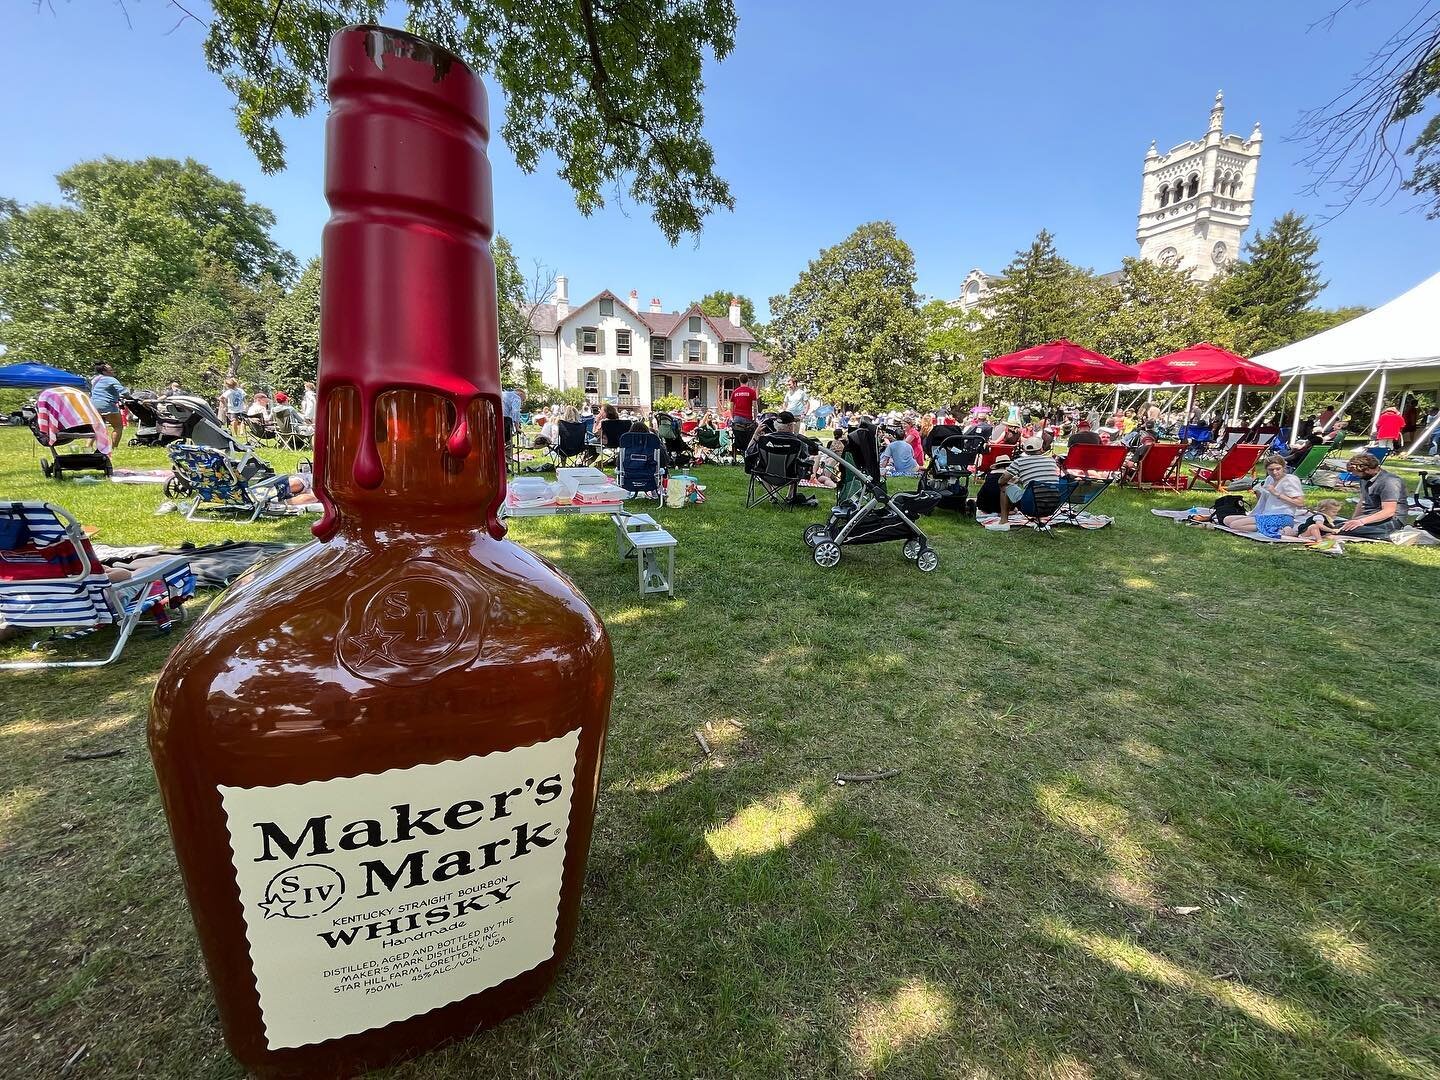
(1382, 501)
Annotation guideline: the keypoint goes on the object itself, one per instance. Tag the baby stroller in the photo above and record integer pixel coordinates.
(64, 415)
(668, 428)
(872, 515)
(951, 458)
(143, 406)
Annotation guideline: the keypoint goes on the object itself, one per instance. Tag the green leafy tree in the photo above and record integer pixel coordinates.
(211, 330)
(1040, 297)
(1267, 293)
(517, 299)
(1317, 320)
(613, 90)
(1157, 309)
(1357, 138)
(292, 332)
(850, 327)
(717, 305)
(948, 373)
(87, 280)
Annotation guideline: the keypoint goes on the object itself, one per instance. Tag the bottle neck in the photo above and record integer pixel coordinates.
(423, 463)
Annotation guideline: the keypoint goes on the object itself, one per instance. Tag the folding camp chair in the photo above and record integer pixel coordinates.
(1238, 461)
(950, 460)
(1090, 470)
(50, 577)
(218, 486)
(1379, 453)
(607, 444)
(641, 471)
(1160, 468)
(292, 430)
(1043, 501)
(776, 464)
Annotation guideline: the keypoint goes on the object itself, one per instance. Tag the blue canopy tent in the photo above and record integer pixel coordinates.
(38, 377)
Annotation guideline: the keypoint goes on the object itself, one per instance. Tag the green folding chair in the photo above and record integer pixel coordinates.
(1312, 460)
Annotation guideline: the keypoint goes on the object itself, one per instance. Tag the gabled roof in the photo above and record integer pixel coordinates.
(545, 319)
(603, 294)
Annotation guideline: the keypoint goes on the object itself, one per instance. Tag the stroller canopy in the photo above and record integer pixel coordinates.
(862, 443)
(38, 377)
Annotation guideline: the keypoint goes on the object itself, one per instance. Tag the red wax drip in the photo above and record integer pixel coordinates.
(458, 444)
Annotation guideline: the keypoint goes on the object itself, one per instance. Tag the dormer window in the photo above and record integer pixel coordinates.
(607, 307)
(694, 324)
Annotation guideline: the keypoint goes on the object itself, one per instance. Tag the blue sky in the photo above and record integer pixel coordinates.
(970, 126)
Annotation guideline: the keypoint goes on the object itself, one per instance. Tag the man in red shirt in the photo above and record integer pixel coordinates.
(743, 399)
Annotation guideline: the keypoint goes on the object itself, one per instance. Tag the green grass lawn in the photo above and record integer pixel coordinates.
(1095, 734)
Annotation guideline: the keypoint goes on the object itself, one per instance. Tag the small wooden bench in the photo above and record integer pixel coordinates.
(653, 548)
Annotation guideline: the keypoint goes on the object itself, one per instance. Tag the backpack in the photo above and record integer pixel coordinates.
(1430, 522)
(1228, 506)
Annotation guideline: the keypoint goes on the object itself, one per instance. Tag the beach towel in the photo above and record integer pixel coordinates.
(63, 407)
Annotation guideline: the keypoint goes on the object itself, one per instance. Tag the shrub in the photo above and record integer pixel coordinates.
(772, 399)
(669, 403)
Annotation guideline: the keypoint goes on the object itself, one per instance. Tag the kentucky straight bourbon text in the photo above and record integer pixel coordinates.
(379, 753)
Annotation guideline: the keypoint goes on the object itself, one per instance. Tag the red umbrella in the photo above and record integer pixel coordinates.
(1205, 364)
(1059, 361)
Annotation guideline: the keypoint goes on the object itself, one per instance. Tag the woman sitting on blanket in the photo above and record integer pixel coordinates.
(1280, 498)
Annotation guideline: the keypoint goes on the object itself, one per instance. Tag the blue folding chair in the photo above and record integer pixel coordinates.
(1043, 501)
(641, 468)
(218, 485)
(50, 578)
(1377, 452)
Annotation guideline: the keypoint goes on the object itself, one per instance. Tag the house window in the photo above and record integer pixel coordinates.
(660, 386)
(692, 351)
(728, 352)
(622, 342)
(622, 382)
(694, 324)
(657, 349)
(592, 383)
(589, 339)
(695, 389)
(728, 386)
(607, 307)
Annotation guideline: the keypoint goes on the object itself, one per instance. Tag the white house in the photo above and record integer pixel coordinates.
(613, 351)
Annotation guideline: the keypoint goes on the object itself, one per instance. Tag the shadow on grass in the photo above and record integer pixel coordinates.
(1096, 732)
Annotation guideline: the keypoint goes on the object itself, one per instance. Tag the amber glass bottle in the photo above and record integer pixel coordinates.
(379, 754)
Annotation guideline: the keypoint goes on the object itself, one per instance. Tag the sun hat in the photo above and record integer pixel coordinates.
(1033, 444)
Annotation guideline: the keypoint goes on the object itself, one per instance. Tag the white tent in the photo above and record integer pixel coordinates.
(1395, 347)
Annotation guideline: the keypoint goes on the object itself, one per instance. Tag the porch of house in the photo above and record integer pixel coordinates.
(699, 390)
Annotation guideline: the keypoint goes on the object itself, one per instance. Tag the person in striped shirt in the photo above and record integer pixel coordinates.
(1032, 464)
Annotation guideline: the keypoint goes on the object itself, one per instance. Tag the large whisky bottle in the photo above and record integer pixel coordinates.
(379, 754)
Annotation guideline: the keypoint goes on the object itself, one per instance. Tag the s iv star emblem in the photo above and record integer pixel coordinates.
(374, 642)
(275, 906)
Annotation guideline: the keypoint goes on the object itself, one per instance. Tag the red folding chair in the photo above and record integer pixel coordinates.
(1160, 468)
(1090, 469)
(1095, 461)
(1238, 461)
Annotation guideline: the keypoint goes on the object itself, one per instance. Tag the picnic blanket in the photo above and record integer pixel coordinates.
(1181, 517)
(141, 476)
(214, 565)
(1083, 520)
(63, 407)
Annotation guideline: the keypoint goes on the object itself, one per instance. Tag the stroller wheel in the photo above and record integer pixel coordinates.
(927, 560)
(813, 533)
(827, 553)
(912, 549)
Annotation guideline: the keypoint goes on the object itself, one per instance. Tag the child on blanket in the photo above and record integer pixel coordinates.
(1321, 521)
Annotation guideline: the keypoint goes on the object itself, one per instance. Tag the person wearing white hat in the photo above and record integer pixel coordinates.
(1033, 464)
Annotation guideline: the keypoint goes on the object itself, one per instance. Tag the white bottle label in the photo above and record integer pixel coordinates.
(374, 898)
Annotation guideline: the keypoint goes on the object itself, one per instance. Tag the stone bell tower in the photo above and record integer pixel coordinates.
(1195, 201)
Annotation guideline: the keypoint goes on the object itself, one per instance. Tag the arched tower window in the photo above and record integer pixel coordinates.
(1234, 183)
(1164, 194)
(1194, 186)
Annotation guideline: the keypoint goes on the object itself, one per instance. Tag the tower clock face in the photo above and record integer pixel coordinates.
(1219, 253)
(1169, 257)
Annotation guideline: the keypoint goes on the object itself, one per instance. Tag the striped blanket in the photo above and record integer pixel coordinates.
(63, 407)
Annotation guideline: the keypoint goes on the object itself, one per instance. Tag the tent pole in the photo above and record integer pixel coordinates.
(1299, 404)
(1235, 409)
(981, 401)
(1423, 436)
(1265, 409)
(1116, 407)
(1379, 401)
(1217, 403)
(1353, 395)
(1189, 403)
